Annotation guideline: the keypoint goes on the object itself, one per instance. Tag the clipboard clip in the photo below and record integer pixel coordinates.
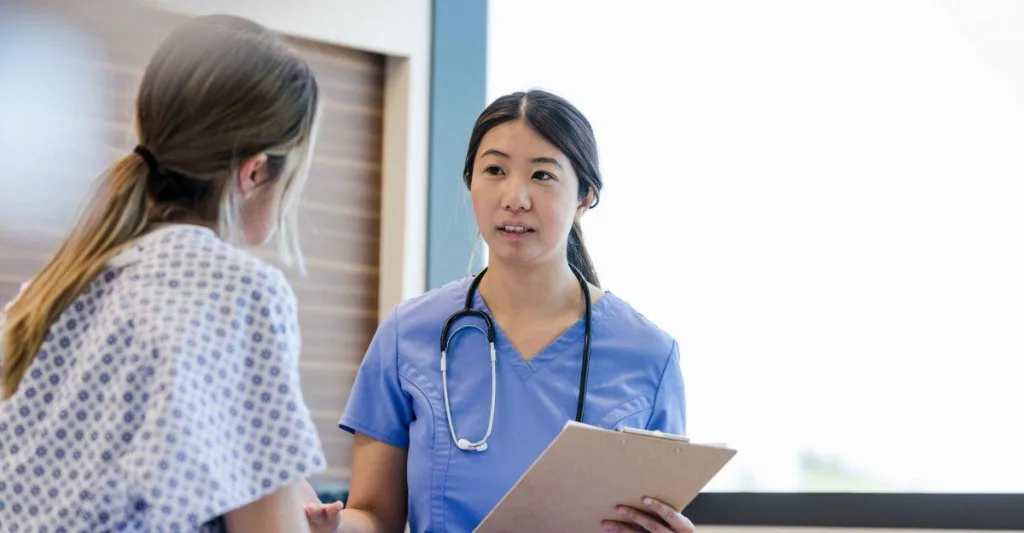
(655, 434)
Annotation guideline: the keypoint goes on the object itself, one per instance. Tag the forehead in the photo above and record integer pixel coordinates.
(519, 141)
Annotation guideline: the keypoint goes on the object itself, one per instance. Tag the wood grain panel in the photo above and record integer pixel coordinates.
(340, 211)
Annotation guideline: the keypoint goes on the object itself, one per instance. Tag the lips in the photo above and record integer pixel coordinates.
(515, 228)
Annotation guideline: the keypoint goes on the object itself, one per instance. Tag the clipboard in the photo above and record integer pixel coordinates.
(587, 471)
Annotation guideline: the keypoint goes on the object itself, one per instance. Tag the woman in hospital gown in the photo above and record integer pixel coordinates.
(150, 370)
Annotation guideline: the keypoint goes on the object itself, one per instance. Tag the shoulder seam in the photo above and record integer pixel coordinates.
(661, 379)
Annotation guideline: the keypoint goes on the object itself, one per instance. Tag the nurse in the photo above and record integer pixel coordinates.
(532, 172)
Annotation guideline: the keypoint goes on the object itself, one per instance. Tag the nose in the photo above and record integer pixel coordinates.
(516, 196)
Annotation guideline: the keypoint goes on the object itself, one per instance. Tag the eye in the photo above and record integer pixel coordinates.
(543, 176)
(493, 170)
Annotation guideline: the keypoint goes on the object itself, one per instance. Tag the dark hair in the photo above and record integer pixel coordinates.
(562, 125)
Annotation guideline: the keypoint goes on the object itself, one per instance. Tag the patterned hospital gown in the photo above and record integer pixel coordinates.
(165, 396)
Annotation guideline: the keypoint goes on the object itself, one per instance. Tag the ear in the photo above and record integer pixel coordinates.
(585, 204)
(251, 174)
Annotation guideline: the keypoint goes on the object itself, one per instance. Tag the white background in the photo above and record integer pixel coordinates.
(823, 201)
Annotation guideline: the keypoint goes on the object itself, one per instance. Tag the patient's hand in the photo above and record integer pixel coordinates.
(324, 518)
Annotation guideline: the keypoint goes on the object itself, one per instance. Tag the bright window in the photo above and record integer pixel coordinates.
(824, 203)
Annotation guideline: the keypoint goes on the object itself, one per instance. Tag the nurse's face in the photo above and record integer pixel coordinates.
(525, 195)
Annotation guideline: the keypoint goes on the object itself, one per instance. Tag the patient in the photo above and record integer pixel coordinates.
(149, 371)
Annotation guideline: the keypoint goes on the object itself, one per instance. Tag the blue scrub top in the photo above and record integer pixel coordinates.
(635, 381)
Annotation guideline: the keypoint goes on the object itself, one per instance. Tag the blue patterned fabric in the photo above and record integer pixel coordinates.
(165, 396)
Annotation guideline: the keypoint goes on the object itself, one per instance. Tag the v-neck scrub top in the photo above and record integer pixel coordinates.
(635, 381)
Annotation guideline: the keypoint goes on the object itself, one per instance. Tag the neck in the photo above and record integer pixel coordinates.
(539, 291)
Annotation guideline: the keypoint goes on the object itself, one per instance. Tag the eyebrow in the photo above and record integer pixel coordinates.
(536, 160)
(548, 160)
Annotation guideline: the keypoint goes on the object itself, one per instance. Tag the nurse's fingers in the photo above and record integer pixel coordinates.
(646, 522)
(675, 520)
(619, 527)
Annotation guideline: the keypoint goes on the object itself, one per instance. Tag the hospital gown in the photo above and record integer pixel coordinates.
(166, 395)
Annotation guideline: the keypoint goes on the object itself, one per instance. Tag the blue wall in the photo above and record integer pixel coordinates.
(458, 93)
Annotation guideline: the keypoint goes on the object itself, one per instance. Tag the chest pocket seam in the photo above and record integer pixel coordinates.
(626, 409)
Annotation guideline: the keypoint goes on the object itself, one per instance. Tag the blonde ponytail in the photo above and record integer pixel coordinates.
(218, 90)
(115, 216)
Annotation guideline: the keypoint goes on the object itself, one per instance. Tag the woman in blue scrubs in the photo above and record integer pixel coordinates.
(532, 172)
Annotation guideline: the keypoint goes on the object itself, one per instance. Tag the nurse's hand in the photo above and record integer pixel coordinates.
(657, 517)
(324, 518)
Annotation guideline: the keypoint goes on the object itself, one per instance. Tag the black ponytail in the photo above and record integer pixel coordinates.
(578, 256)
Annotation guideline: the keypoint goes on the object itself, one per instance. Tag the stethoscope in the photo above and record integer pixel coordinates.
(468, 311)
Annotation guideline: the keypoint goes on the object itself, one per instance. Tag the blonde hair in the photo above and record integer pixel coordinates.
(218, 90)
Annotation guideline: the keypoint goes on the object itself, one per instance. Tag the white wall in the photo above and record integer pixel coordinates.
(399, 29)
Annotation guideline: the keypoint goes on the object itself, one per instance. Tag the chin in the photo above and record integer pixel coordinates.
(517, 256)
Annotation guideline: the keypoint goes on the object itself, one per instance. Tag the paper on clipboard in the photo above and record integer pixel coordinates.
(587, 471)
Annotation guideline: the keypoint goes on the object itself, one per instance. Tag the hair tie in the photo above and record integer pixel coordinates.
(149, 158)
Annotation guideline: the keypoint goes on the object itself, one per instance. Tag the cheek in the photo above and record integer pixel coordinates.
(558, 211)
(481, 204)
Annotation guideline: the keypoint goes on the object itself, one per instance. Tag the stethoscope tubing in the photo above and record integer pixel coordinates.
(468, 311)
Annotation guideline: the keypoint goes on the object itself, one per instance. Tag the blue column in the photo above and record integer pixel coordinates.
(458, 93)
